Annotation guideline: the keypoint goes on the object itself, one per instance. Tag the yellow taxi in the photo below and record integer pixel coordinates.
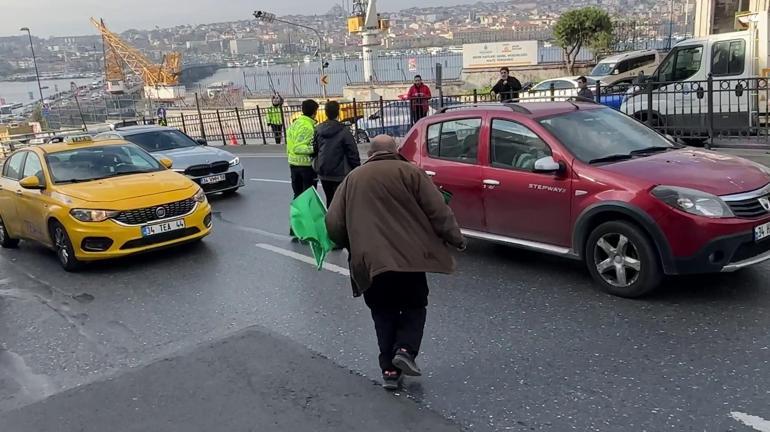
(91, 200)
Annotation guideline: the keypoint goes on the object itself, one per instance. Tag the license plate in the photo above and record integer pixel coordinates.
(213, 179)
(762, 232)
(161, 228)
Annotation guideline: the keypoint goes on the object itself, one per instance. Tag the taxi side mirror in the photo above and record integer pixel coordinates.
(166, 162)
(31, 182)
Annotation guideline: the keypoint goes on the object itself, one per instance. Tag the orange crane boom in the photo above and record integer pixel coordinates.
(164, 74)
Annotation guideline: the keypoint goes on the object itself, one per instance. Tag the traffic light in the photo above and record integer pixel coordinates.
(264, 16)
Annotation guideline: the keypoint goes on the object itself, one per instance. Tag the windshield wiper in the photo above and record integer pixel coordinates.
(75, 180)
(611, 158)
(124, 173)
(648, 150)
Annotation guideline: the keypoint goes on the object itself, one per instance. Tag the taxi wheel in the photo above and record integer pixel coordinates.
(63, 246)
(6, 240)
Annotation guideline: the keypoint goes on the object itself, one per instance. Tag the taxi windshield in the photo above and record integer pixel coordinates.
(162, 140)
(99, 162)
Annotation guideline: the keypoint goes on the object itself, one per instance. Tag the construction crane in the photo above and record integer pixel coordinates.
(161, 81)
(113, 68)
(365, 21)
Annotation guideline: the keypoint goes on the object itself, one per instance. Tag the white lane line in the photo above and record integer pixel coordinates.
(262, 156)
(304, 258)
(757, 423)
(270, 180)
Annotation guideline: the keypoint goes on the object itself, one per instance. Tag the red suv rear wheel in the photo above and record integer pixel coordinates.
(622, 259)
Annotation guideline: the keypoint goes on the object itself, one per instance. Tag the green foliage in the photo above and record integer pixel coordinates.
(585, 27)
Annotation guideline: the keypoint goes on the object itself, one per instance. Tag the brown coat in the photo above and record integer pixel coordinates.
(391, 217)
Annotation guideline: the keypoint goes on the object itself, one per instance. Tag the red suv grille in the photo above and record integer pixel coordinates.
(748, 208)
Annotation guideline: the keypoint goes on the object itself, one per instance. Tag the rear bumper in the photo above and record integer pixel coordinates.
(725, 254)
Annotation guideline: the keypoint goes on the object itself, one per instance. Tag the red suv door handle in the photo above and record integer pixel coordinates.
(430, 173)
(491, 182)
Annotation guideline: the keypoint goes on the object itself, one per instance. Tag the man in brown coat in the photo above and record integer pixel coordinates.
(396, 227)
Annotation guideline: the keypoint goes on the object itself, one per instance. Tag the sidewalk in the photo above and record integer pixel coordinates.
(249, 381)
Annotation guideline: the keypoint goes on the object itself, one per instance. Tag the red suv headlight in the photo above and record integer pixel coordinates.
(693, 201)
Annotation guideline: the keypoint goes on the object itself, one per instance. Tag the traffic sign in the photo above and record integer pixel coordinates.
(413, 64)
(324, 80)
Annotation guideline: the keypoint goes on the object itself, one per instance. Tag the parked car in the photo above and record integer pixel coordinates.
(393, 119)
(92, 201)
(215, 170)
(583, 181)
(624, 68)
(567, 87)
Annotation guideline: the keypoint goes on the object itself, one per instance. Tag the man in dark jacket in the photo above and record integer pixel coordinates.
(584, 91)
(507, 87)
(396, 226)
(336, 151)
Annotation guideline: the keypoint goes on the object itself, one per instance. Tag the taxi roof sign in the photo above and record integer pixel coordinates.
(78, 139)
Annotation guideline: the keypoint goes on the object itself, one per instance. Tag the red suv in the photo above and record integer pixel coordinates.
(583, 181)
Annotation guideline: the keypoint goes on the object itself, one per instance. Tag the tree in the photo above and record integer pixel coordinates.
(586, 27)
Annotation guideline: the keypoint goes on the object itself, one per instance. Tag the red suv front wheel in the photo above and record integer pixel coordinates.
(622, 259)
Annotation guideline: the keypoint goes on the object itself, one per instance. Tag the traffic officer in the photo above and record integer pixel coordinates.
(299, 149)
(275, 117)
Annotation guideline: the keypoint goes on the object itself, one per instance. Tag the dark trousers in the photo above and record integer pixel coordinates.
(277, 132)
(418, 112)
(397, 302)
(302, 179)
(330, 188)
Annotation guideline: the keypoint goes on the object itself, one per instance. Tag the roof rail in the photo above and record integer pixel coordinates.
(510, 104)
(582, 99)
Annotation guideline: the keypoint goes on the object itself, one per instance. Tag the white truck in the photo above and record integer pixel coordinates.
(709, 86)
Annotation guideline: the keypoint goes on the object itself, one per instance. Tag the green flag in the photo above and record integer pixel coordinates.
(308, 221)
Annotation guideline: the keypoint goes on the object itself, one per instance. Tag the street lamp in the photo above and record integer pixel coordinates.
(34, 61)
(270, 17)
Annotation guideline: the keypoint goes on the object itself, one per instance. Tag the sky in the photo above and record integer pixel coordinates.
(70, 17)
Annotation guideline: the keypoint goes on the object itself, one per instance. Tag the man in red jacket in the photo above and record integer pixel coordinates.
(419, 99)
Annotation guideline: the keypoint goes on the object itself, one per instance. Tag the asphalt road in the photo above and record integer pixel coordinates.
(514, 340)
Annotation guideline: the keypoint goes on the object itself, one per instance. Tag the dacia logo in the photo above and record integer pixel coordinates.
(765, 202)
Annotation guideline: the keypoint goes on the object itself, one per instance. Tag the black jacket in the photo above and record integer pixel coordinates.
(508, 89)
(336, 151)
(586, 93)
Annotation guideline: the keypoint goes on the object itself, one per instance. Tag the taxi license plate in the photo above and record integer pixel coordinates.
(213, 179)
(161, 228)
(762, 232)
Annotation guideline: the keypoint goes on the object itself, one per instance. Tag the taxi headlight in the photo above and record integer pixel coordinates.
(200, 196)
(89, 215)
(235, 161)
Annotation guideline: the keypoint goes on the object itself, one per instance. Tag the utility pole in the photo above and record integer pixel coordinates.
(34, 61)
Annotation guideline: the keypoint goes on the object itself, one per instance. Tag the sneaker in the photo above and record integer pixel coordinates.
(391, 380)
(405, 363)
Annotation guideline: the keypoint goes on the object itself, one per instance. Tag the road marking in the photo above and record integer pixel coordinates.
(754, 422)
(258, 156)
(304, 258)
(270, 180)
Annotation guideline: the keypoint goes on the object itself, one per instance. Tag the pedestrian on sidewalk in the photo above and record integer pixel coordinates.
(396, 227)
(299, 150)
(336, 151)
(275, 117)
(508, 87)
(419, 99)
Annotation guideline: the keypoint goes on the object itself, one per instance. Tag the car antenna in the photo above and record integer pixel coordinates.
(577, 108)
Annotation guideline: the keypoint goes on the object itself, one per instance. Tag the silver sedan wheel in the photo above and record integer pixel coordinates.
(617, 260)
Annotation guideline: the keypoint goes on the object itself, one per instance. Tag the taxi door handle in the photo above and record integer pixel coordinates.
(490, 182)
(18, 192)
(430, 173)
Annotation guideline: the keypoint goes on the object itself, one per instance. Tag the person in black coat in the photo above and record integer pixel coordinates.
(508, 87)
(336, 151)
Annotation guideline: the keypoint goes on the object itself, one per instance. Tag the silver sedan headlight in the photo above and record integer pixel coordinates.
(235, 161)
(693, 201)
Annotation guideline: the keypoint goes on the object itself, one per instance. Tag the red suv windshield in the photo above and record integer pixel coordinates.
(597, 134)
